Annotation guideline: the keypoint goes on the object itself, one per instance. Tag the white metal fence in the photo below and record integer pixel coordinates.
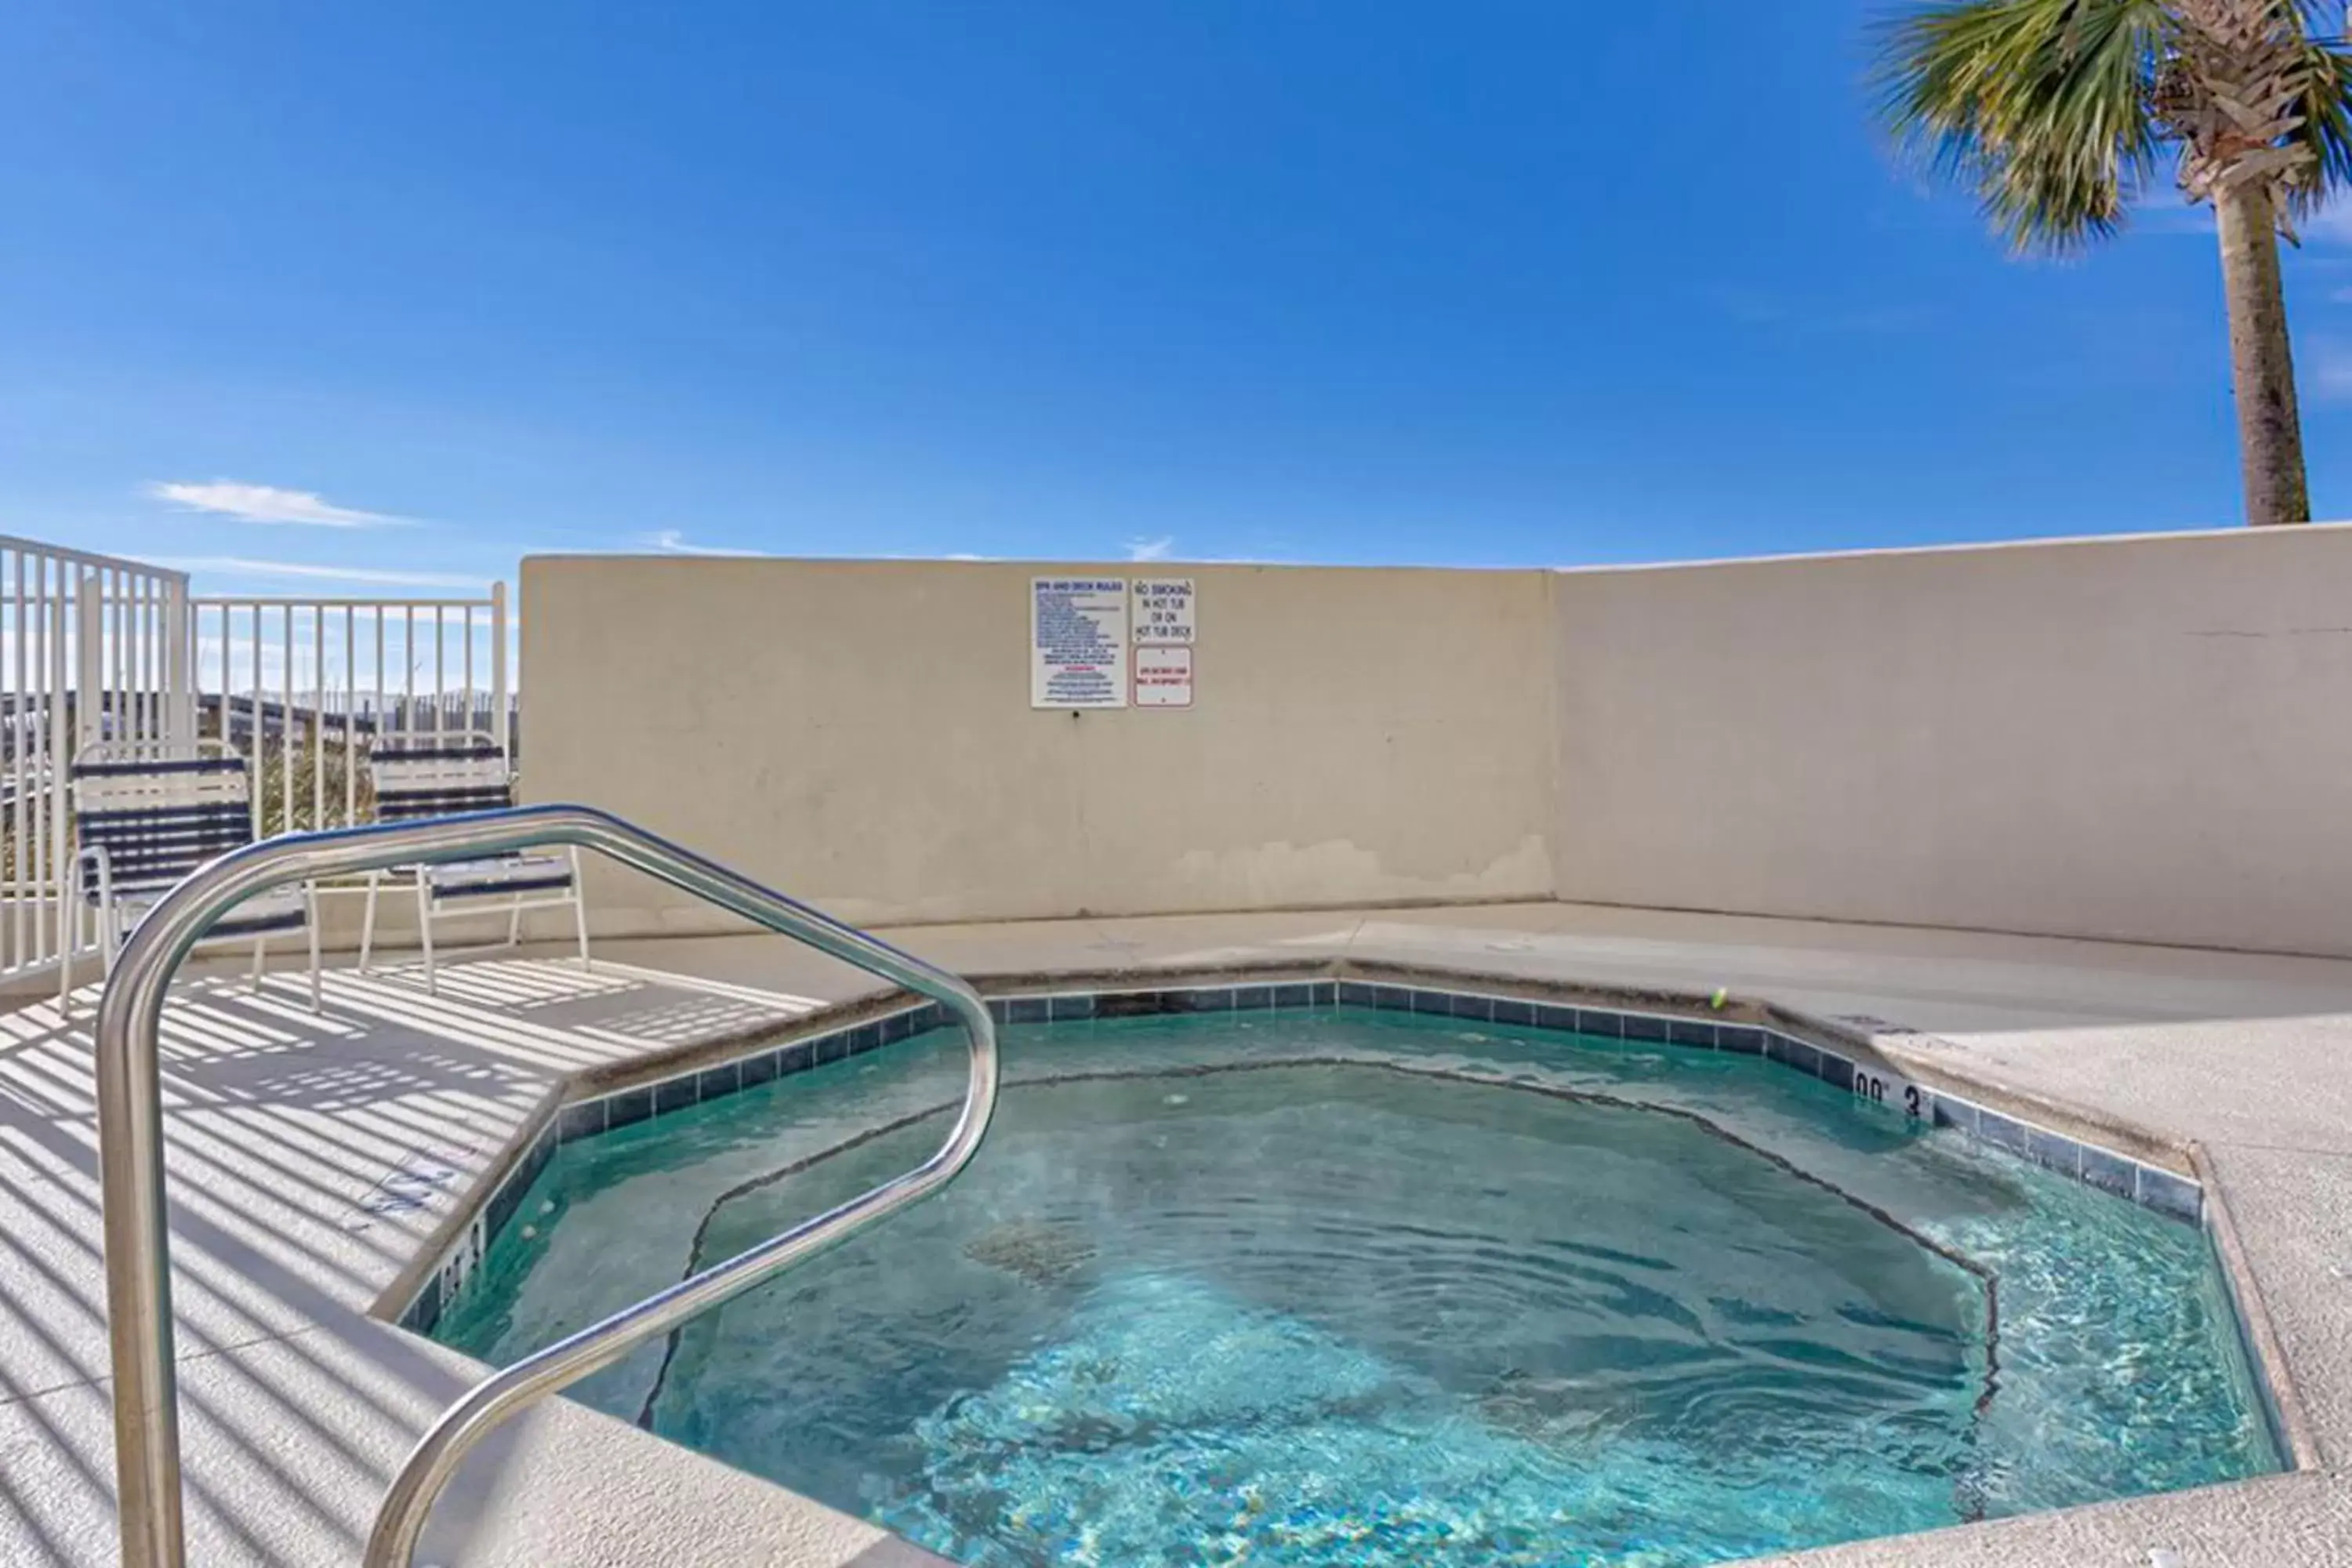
(96, 648)
(304, 687)
(92, 648)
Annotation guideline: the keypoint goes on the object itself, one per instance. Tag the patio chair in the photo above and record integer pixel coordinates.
(442, 775)
(145, 815)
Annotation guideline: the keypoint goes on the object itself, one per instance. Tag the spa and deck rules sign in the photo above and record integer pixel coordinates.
(1077, 642)
(1104, 642)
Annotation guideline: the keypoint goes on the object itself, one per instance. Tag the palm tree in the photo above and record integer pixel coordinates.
(2059, 112)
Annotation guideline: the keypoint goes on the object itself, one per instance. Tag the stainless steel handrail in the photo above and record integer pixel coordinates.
(130, 1148)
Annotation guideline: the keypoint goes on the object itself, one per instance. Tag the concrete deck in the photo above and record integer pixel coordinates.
(312, 1158)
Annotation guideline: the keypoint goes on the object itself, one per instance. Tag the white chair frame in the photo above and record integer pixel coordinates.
(483, 898)
(114, 917)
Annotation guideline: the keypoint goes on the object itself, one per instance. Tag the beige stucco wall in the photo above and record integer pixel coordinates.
(2147, 739)
(2143, 738)
(859, 734)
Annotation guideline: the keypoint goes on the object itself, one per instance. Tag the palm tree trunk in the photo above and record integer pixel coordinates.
(2261, 362)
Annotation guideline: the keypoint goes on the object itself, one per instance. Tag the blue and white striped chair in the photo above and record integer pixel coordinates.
(441, 775)
(144, 816)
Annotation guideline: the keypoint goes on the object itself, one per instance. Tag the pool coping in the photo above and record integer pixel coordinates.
(2258, 1335)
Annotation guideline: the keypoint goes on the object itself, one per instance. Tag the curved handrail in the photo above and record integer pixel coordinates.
(130, 1148)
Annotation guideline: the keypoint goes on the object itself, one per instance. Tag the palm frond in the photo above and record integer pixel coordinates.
(2326, 127)
(2043, 106)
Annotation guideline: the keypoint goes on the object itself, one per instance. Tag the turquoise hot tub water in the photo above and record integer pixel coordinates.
(1345, 1287)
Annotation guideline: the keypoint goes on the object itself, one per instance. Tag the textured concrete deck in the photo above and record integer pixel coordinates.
(311, 1160)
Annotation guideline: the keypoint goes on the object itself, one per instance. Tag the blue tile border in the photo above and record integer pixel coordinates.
(1744, 1039)
(627, 1108)
(1802, 1055)
(2002, 1131)
(2167, 1193)
(1836, 1071)
(648, 1102)
(2110, 1173)
(440, 1289)
(1958, 1114)
(2148, 1186)
(2151, 1186)
(2053, 1152)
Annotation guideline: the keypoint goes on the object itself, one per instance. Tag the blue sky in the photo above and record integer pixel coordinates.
(407, 291)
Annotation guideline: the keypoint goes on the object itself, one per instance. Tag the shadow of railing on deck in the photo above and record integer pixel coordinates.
(281, 1124)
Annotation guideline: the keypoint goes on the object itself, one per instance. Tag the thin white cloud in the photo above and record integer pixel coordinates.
(2331, 373)
(2331, 225)
(235, 565)
(2160, 211)
(1152, 549)
(2163, 212)
(673, 542)
(268, 503)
